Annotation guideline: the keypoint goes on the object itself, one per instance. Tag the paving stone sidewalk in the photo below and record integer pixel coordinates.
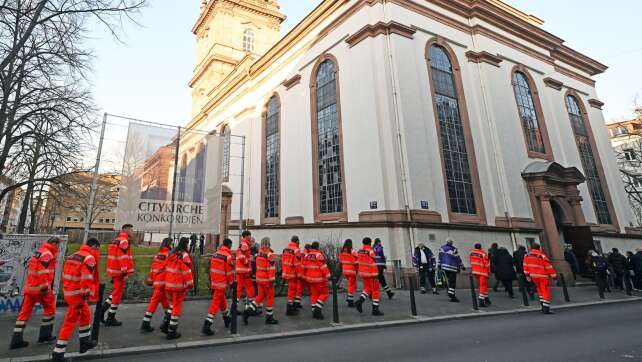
(397, 309)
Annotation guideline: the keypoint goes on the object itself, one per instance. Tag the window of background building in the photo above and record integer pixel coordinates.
(248, 41)
(630, 155)
(226, 152)
(272, 158)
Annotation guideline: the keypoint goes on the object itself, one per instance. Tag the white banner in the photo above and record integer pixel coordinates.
(155, 195)
(15, 252)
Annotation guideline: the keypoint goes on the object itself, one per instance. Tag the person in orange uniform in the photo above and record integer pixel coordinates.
(221, 276)
(79, 285)
(348, 258)
(316, 275)
(265, 277)
(38, 289)
(244, 269)
(480, 264)
(538, 269)
(120, 264)
(156, 278)
(369, 276)
(178, 280)
(291, 262)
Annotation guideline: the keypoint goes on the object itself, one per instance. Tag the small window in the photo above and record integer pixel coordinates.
(68, 218)
(637, 182)
(630, 155)
(637, 126)
(248, 41)
(618, 131)
(597, 244)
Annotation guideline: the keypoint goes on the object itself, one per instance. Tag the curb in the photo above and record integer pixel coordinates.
(412, 320)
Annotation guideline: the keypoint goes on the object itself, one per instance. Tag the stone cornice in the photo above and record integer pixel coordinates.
(209, 9)
(596, 103)
(380, 28)
(553, 83)
(483, 57)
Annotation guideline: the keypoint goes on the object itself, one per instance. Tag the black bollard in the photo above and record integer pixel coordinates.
(335, 302)
(564, 288)
(522, 288)
(98, 315)
(473, 293)
(600, 287)
(627, 284)
(413, 303)
(234, 324)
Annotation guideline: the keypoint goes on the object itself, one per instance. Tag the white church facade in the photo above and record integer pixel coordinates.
(412, 121)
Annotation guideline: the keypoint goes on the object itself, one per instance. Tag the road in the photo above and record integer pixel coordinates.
(598, 333)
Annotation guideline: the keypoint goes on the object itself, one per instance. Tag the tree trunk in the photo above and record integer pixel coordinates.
(26, 202)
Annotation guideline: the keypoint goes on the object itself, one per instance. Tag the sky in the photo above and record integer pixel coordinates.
(145, 75)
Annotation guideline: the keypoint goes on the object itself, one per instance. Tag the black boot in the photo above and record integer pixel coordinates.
(291, 310)
(351, 304)
(481, 303)
(317, 313)
(112, 321)
(487, 300)
(105, 310)
(547, 310)
(359, 304)
(58, 357)
(453, 299)
(227, 320)
(207, 328)
(247, 313)
(146, 327)
(17, 341)
(423, 290)
(86, 344)
(164, 328)
(46, 331)
(172, 332)
(434, 291)
(390, 293)
(269, 319)
(298, 305)
(376, 311)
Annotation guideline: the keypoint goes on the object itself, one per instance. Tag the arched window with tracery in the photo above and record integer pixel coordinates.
(226, 152)
(271, 160)
(531, 115)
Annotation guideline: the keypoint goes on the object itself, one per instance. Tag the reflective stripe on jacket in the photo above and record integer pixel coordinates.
(41, 269)
(291, 262)
(265, 266)
(157, 270)
(119, 257)
(367, 264)
(178, 273)
(78, 280)
(348, 259)
(537, 265)
(479, 262)
(243, 258)
(221, 269)
(380, 257)
(449, 258)
(315, 269)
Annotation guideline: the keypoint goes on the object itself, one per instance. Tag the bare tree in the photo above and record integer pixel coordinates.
(629, 158)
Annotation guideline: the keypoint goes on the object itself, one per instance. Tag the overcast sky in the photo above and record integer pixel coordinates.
(147, 76)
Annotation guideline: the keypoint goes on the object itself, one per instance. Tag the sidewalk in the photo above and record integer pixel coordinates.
(396, 311)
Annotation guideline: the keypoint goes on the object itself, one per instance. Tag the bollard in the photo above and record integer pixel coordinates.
(335, 302)
(627, 284)
(567, 298)
(473, 293)
(234, 325)
(413, 303)
(98, 315)
(600, 287)
(522, 288)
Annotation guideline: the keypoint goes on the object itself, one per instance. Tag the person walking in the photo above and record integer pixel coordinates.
(265, 277)
(221, 276)
(630, 270)
(380, 259)
(178, 280)
(349, 266)
(369, 277)
(291, 271)
(518, 261)
(539, 270)
(505, 270)
(243, 268)
(619, 264)
(201, 244)
(192, 243)
(38, 288)
(120, 265)
(79, 286)
(156, 278)
(571, 259)
(492, 254)
(425, 262)
(600, 268)
(316, 275)
(450, 262)
(480, 266)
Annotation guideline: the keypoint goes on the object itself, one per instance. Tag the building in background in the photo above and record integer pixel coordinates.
(626, 139)
(412, 121)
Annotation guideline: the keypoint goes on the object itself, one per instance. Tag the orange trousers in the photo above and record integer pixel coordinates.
(482, 281)
(543, 286)
(371, 289)
(218, 303)
(318, 294)
(159, 296)
(352, 285)
(47, 301)
(78, 312)
(295, 290)
(244, 282)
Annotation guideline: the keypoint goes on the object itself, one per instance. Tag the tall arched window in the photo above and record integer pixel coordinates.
(531, 115)
(454, 136)
(271, 160)
(327, 146)
(199, 177)
(182, 179)
(591, 168)
(248, 41)
(226, 152)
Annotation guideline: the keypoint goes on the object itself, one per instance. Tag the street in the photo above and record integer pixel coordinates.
(597, 333)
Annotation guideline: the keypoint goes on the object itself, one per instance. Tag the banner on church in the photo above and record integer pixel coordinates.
(171, 180)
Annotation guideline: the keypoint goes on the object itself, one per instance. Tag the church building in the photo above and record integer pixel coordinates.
(411, 121)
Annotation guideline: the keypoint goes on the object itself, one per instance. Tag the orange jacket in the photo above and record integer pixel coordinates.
(41, 270)
(265, 266)
(157, 271)
(221, 269)
(120, 262)
(348, 261)
(479, 262)
(315, 269)
(178, 273)
(243, 258)
(291, 261)
(537, 265)
(78, 282)
(367, 263)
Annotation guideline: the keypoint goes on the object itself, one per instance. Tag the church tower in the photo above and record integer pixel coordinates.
(228, 31)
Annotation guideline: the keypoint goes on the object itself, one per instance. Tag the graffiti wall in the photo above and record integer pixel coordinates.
(15, 252)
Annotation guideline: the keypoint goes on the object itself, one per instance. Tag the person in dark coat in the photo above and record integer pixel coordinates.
(492, 254)
(518, 261)
(636, 264)
(630, 276)
(425, 262)
(571, 259)
(618, 264)
(600, 268)
(505, 270)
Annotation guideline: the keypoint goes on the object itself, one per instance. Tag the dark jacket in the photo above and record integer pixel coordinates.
(571, 259)
(430, 257)
(518, 261)
(599, 264)
(618, 262)
(636, 262)
(504, 266)
(492, 257)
